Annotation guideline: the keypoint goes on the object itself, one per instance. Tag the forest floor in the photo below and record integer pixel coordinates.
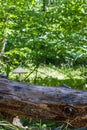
(75, 77)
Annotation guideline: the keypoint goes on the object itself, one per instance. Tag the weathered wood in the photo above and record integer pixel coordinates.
(57, 103)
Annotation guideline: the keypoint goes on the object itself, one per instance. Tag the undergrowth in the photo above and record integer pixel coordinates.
(75, 77)
(34, 125)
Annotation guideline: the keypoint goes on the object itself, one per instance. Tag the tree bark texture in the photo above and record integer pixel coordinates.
(40, 102)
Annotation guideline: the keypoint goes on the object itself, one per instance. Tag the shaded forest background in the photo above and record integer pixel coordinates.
(38, 34)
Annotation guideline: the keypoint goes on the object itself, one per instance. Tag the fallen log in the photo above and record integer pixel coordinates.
(40, 102)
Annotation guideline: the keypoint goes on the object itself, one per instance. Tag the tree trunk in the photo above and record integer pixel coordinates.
(40, 102)
(44, 5)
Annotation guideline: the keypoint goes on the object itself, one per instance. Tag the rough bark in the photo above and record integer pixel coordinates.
(40, 102)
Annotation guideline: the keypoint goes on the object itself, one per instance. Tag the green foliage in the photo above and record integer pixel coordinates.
(57, 35)
(35, 125)
(4, 125)
(32, 37)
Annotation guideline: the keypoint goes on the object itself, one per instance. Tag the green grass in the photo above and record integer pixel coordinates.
(74, 77)
(34, 125)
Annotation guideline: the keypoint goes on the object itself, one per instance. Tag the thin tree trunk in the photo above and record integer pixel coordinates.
(3, 47)
(44, 5)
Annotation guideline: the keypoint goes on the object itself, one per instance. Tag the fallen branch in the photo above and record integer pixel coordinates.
(40, 102)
